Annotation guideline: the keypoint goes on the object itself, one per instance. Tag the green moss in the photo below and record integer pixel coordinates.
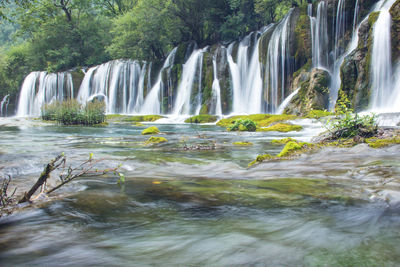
(204, 118)
(150, 130)
(243, 125)
(316, 114)
(260, 158)
(127, 118)
(378, 143)
(138, 124)
(262, 120)
(281, 127)
(243, 143)
(283, 141)
(289, 148)
(156, 140)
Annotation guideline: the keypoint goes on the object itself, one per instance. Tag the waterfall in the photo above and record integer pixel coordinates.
(216, 90)
(381, 60)
(319, 34)
(394, 102)
(3, 109)
(184, 92)
(41, 88)
(340, 27)
(117, 82)
(309, 10)
(275, 68)
(287, 100)
(355, 19)
(152, 103)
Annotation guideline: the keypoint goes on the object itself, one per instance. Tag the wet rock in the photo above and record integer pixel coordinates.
(313, 94)
(150, 130)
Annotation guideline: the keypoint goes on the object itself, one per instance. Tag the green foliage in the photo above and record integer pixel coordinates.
(70, 112)
(316, 114)
(347, 124)
(243, 125)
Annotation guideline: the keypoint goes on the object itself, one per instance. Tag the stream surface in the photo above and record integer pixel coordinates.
(334, 207)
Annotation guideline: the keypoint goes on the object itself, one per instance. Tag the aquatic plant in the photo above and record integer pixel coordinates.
(242, 143)
(156, 140)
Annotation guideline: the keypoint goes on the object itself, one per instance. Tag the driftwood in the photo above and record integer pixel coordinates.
(87, 168)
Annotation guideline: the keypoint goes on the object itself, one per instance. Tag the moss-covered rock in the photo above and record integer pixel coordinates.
(243, 125)
(260, 158)
(150, 130)
(283, 140)
(313, 94)
(156, 140)
(378, 143)
(281, 127)
(316, 114)
(289, 148)
(203, 118)
(127, 118)
(262, 120)
(242, 143)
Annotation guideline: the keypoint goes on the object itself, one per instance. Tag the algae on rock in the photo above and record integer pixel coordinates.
(150, 130)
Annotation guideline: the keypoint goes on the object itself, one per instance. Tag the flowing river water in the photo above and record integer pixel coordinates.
(200, 207)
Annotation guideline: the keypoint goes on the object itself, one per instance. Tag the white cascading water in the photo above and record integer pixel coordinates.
(381, 60)
(190, 69)
(4, 105)
(276, 76)
(116, 81)
(319, 36)
(41, 88)
(395, 98)
(216, 107)
(152, 102)
(287, 100)
(340, 27)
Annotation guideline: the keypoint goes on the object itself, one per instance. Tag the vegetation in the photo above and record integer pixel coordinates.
(203, 118)
(150, 130)
(348, 124)
(70, 112)
(135, 119)
(57, 35)
(378, 143)
(243, 125)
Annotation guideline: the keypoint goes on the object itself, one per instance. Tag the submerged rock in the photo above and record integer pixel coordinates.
(156, 140)
(242, 143)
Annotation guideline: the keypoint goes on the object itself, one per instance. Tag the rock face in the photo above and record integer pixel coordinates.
(395, 12)
(313, 93)
(355, 70)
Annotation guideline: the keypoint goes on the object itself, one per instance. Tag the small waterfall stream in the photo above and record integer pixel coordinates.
(319, 35)
(216, 107)
(276, 64)
(4, 105)
(190, 69)
(152, 102)
(381, 59)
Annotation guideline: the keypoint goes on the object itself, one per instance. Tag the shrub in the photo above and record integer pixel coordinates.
(70, 112)
(347, 124)
(243, 125)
